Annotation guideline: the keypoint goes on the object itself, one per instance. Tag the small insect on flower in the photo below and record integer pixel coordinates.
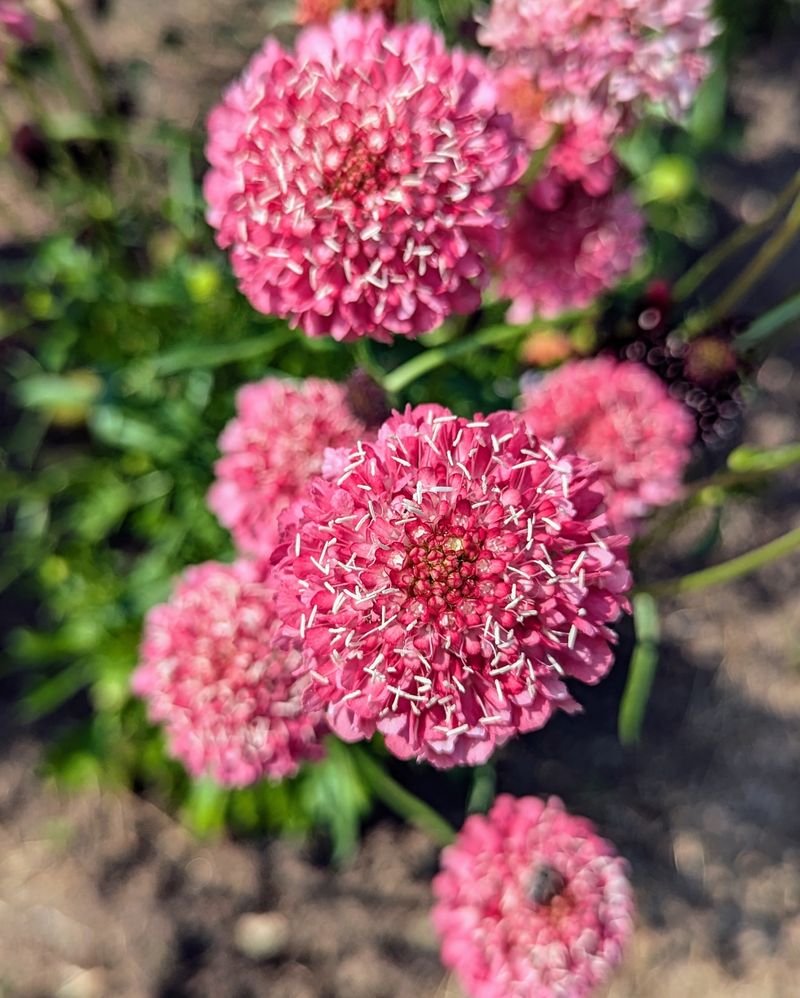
(448, 581)
(531, 903)
(360, 181)
(546, 884)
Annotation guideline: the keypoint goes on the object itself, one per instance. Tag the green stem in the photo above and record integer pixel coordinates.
(402, 802)
(483, 790)
(362, 355)
(769, 324)
(492, 336)
(642, 669)
(537, 161)
(188, 357)
(745, 467)
(772, 249)
(738, 239)
(87, 53)
(727, 570)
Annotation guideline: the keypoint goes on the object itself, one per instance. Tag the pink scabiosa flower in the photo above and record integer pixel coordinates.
(564, 248)
(448, 582)
(531, 903)
(360, 182)
(271, 450)
(590, 68)
(211, 673)
(17, 21)
(621, 416)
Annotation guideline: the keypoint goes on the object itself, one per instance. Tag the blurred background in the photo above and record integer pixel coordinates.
(122, 341)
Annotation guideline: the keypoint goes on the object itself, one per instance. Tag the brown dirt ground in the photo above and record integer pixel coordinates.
(104, 895)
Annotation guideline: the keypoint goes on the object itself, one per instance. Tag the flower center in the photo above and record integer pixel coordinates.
(441, 568)
(361, 171)
(547, 883)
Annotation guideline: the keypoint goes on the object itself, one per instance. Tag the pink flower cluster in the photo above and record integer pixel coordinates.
(211, 673)
(360, 181)
(447, 583)
(565, 247)
(16, 21)
(621, 416)
(271, 450)
(586, 70)
(531, 903)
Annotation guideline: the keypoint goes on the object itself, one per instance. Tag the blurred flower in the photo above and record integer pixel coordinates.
(211, 673)
(546, 348)
(32, 146)
(321, 11)
(447, 583)
(361, 181)
(564, 248)
(17, 21)
(589, 68)
(316, 11)
(531, 903)
(705, 373)
(272, 449)
(366, 398)
(621, 416)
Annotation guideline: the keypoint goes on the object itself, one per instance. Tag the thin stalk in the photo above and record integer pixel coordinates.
(362, 355)
(737, 240)
(772, 249)
(403, 802)
(493, 336)
(787, 456)
(642, 671)
(727, 570)
(484, 788)
(537, 161)
(87, 53)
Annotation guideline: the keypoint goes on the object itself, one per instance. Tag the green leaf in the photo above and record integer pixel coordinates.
(335, 795)
(768, 324)
(707, 119)
(204, 810)
(642, 669)
(116, 427)
(189, 356)
(752, 459)
(51, 391)
(51, 693)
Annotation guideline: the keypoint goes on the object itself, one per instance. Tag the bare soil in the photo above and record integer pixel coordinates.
(102, 894)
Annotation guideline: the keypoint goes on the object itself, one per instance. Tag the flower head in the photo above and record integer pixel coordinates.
(620, 415)
(564, 248)
(271, 450)
(448, 581)
(210, 673)
(17, 21)
(531, 903)
(360, 181)
(590, 68)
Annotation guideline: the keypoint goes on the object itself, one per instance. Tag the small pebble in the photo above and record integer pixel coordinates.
(261, 936)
